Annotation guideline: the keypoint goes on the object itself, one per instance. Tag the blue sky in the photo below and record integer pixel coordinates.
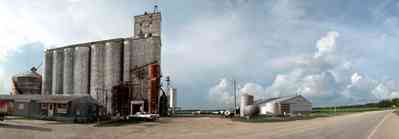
(332, 52)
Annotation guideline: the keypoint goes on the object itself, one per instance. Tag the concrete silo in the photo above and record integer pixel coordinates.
(68, 71)
(127, 59)
(81, 70)
(112, 68)
(58, 72)
(97, 87)
(47, 73)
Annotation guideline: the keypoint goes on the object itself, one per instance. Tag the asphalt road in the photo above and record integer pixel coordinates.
(366, 125)
(371, 125)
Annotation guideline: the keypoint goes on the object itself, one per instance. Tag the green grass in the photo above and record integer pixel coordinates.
(316, 113)
(345, 110)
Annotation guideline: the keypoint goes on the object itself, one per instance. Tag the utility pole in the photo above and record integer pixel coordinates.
(235, 96)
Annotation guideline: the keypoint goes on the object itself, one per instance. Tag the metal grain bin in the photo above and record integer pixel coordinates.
(245, 100)
(251, 110)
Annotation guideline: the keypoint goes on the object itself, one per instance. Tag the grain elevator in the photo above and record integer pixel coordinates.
(96, 68)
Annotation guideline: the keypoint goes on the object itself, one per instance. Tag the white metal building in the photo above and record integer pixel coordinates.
(279, 105)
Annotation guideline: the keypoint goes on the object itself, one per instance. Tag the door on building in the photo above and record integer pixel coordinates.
(50, 110)
(136, 106)
(285, 108)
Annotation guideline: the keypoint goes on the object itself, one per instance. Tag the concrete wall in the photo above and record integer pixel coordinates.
(147, 24)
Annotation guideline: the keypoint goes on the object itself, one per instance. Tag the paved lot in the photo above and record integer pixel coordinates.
(368, 125)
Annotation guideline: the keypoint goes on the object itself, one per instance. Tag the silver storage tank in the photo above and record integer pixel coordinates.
(58, 71)
(47, 72)
(97, 71)
(81, 70)
(172, 98)
(127, 58)
(113, 68)
(245, 100)
(251, 110)
(68, 71)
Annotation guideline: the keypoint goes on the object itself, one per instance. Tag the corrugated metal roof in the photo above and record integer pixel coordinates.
(276, 99)
(260, 101)
(32, 73)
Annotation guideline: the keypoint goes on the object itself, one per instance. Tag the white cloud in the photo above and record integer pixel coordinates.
(325, 78)
(58, 23)
(221, 94)
(253, 89)
(326, 45)
(356, 77)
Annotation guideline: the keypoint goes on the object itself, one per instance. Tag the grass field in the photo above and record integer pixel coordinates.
(316, 113)
(332, 110)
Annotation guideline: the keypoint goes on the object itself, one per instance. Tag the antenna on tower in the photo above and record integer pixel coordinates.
(156, 3)
(156, 8)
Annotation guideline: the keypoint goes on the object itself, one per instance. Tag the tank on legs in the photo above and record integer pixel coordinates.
(81, 70)
(58, 72)
(47, 73)
(68, 71)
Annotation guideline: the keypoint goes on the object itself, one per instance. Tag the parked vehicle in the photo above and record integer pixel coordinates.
(6, 108)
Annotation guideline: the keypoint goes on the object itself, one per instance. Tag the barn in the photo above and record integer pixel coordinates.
(280, 105)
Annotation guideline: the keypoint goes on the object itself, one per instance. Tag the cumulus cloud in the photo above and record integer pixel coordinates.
(252, 89)
(326, 45)
(322, 86)
(58, 23)
(221, 94)
(263, 42)
(326, 79)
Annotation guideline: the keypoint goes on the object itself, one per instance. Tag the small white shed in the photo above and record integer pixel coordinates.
(279, 105)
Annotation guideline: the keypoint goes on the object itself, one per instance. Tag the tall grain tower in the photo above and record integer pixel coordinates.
(95, 68)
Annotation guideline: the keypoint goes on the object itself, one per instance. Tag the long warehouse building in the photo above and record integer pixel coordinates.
(94, 68)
